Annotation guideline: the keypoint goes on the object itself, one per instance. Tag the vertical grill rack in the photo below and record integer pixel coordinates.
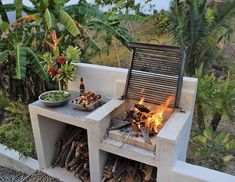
(159, 70)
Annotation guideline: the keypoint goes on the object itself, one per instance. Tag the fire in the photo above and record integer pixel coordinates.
(155, 119)
(141, 102)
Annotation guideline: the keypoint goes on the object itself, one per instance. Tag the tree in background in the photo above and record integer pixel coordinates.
(198, 28)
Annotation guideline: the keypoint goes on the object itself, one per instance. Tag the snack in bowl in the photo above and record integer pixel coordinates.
(55, 98)
(87, 102)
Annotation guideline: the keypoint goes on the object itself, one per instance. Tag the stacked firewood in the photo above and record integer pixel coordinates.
(72, 152)
(118, 169)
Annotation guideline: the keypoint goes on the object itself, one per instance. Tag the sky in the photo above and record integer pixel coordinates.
(159, 4)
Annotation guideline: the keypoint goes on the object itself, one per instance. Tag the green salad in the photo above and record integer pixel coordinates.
(55, 96)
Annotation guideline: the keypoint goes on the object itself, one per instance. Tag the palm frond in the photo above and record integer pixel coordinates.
(109, 29)
(69, 23)
(38, 67)
(85, 9)
(49, 19)
(91, 42)
(20, 61)
(3, 55)
(224, 18)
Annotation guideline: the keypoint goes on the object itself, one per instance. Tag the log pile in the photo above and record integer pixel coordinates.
(118, 169)
(72, 152)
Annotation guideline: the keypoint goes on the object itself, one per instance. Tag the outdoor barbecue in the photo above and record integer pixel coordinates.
(152, 94)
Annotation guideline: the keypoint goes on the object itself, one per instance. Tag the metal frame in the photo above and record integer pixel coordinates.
(135, 46)
(180, 81)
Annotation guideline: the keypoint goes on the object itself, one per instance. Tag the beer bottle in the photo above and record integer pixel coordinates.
(82, 87)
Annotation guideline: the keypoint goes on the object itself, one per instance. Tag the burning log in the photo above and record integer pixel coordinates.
(142, 108)
(72, 153)
(140, 121)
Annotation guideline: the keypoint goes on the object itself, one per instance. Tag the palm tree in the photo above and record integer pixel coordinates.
(198, 28)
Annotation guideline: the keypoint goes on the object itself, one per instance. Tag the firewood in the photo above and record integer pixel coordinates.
(121, 169)
(120, 126)
(78, 168)
(142, 108)
(134, 127)
(72, 138)
(63, 157)
(77, 151)
(74, 161)
(145, 135)
(127, 178)
(115, 166)
(71, 152)
(148, 173)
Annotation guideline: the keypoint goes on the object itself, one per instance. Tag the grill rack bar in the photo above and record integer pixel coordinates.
(159, 68)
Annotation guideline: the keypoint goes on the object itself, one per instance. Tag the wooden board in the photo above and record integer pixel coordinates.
(133, 140)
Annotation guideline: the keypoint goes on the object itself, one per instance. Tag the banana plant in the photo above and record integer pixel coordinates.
(50, 11)
(24, 56)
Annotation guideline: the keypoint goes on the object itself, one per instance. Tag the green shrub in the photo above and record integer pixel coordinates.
(16, 132)
(3, 100)
(213, 150)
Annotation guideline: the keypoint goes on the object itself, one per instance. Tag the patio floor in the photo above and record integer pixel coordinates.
(11, 175)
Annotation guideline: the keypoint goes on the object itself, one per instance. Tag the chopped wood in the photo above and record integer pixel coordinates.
(72, 152)
(127, 171)
(121, 169)
(148, 173)
(69, 156)
(120, 126)
(142, 108)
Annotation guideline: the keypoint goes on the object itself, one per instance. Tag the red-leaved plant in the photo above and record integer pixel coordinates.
(59, 64)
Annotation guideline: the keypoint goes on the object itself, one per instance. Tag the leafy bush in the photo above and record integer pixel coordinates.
(162, 22)
(215, 99)
(213, 150)
(3, 100)
(16, 133)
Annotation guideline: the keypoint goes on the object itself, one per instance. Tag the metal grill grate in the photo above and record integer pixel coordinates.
(157, 69)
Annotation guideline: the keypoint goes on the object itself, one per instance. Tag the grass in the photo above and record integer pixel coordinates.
(120, 56)
(16, 131)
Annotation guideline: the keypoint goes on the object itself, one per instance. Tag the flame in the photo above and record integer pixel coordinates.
(154, 121)
(141, 102)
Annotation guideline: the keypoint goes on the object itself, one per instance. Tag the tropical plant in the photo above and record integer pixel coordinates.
(223, 101)
(161, 21)
(60, 66)
(213, 150)
(198, 28)
(126, 5)
(206, 89)
(215, 99)
(49, 11)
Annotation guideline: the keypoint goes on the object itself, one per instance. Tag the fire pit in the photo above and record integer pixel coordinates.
(140, 125)
(156, 75)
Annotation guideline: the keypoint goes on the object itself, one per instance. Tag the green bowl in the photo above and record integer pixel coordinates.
(54, 103)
